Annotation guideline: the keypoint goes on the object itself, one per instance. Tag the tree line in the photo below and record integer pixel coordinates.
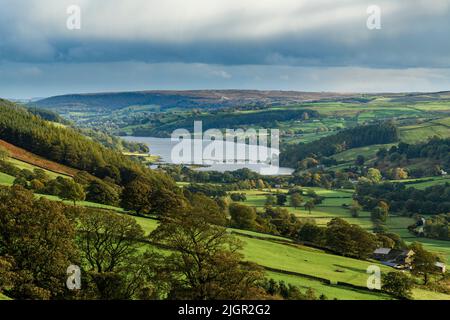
(403, 199)
(359, 136)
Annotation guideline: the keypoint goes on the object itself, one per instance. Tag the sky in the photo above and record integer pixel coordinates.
(303, 45)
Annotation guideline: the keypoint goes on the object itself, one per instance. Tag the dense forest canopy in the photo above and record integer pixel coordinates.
(432, 200)
(67, 146)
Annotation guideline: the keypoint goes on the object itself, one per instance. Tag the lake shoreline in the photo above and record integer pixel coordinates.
(162, 147)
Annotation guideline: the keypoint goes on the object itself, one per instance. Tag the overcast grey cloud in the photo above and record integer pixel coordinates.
(188, 44)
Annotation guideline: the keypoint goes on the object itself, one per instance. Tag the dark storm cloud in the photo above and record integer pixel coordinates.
(141, 44)
(414, 33)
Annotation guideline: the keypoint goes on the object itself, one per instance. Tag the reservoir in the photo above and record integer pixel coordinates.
(162, 147)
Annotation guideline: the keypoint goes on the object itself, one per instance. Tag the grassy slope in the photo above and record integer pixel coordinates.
(424, 183)
(28, 157)
(305, 260)
(330, 291)
(298, 259)
(330, 208)
(420, 133)
(24, 165)
(368, 152)
(82, 203)
(399, 225)
(302, 260)
(3, 297)
(5, 179)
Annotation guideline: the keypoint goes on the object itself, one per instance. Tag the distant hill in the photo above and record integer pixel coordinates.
(214, 98)
(182, 99)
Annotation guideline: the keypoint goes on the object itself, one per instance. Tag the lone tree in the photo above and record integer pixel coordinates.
(380, 212)
(398, 284)
(360, 160)
(271, 200)
(423, 262)
(374, 175)
(110, 254)
(72, 191)
(243, 217)
(355, 208)
(135, 196)
(205, 262)
(309, 205)
(281, 199)
(101, 192)
(296, 200)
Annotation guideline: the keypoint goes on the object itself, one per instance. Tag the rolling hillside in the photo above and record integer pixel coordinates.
(37, 161)
(182, 99)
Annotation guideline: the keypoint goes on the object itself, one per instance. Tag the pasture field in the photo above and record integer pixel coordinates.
(81, 203)
(3, 297)
(328, 268)
(300, 259)
(433, 106)
(421, 294)
(369, 152)
(420, 133)
(330, 291)
(399, 225)
(23, 165)
(331, 207)
(28, 157)
(257, 235)
(424, 183)
(6, 179)
(443, 121)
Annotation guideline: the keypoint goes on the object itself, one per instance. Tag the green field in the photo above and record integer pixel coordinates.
(23, 165)
(3, 297)
(330, 291)
(295, 258)
(302, 260)
(424, 183)
(330, 208)
(421, 133)
(368, 152)
(312, 262)
(299, 259)
(6, 179)
(82, 203)
(399, 225)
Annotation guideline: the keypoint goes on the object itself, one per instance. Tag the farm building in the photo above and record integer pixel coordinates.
(399, 259)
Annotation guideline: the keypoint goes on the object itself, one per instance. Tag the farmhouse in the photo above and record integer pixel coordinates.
(399, 259)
